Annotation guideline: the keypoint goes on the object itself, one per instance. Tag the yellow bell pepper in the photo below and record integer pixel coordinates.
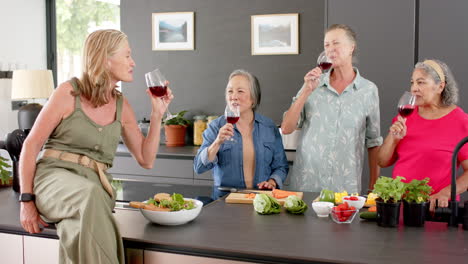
(339, 197)
(371, 199)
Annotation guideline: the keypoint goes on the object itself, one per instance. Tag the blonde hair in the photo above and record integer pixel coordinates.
(96, 78)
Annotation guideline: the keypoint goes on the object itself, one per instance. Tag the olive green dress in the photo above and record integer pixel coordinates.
(72, 196)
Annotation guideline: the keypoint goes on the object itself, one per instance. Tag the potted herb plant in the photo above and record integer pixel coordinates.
(415, 202)
(5, 175)
(390, 192)
(175, 129)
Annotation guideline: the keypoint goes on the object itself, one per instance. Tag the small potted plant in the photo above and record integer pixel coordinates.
(415, 202)
(175, 129)
(5, 175)
(390, 192)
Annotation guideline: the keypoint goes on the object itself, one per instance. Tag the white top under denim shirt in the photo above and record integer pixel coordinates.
(270, 158)
(336, 130)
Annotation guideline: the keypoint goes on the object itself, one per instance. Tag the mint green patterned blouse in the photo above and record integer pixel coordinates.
(336, 130)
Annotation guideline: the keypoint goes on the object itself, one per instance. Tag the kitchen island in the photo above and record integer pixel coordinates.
(237, 232)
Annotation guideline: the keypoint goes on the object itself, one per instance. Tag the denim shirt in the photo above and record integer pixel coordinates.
(270, 159)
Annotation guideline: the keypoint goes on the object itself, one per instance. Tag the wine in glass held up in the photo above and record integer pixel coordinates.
(232, 119)
(232, 114)
(157, 84)
(405, 110)
(406, 104)
(158, 90)
(325, 66)
(323, 62)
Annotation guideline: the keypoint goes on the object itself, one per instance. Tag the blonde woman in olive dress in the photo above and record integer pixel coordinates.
(79, 128)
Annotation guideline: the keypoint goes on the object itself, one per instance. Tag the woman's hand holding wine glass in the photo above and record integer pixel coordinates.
(406, 106)
(158, 86)
(232, 115)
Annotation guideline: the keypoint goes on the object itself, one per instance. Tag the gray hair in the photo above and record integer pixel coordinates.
(449, 95)
(255, 92)
(349, 33)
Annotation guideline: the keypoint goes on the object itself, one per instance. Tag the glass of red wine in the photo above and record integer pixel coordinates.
(156, 82)
(406, 106)
(232, 115)
(323, 62)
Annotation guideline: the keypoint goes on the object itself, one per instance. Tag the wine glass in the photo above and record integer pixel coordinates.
(156, 82)
(324, 62)
(406, 106)
(232, 115)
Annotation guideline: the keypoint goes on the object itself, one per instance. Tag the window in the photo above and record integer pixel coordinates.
(69, 22)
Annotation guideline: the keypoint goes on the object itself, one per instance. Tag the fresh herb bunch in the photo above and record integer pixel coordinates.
(178, 119)
(4, 174)
(418, 191)
(390, 190)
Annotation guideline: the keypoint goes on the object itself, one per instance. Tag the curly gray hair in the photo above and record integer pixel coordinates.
(449, 95)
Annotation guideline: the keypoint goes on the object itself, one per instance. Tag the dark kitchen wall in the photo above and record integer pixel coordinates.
(222, 43)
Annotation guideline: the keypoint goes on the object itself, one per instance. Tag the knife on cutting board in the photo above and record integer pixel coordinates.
(235, 190)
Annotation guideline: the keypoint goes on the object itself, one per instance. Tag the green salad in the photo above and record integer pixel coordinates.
(175, 203)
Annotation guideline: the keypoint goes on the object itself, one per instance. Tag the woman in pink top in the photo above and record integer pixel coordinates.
(421, 145)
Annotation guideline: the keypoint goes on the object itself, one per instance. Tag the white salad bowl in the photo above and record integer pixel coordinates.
(322, 209)
(357, 204)
(175, 217)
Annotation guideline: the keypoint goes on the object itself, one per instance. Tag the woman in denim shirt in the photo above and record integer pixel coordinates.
(256, 158)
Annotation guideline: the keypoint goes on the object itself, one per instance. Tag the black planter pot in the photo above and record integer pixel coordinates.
(388, 214)
(414, 214)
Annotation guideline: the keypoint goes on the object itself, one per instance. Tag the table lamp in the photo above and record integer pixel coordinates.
(30, 84)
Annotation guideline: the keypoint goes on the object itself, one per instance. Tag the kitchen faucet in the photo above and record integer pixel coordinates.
(453, 204)
(453, 214)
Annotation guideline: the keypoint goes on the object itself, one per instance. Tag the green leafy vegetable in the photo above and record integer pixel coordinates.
(294, 205)
(4, 174)
(390, 190)
(265, 204)
(418, 191)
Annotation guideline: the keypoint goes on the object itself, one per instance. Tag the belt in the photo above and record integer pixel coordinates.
(85, 161)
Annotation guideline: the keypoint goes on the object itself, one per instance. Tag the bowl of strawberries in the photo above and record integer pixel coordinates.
(343, 213)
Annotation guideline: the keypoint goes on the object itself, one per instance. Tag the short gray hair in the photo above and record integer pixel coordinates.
(350, 33)
(255, 92)
(449, 95)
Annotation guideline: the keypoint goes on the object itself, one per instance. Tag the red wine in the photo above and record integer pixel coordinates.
(405, 110)
(325, 66)
(158, 91)
(232, 119)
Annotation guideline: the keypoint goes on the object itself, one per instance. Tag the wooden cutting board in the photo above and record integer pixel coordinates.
(241, 197)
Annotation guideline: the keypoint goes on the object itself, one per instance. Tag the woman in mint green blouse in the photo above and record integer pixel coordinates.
(339, 115)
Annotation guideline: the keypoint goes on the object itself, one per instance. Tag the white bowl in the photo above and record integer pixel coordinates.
(357, 204)
(175, 217)
(322, 208)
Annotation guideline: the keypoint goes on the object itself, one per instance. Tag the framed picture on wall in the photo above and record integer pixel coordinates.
(173, 31)
(275, 34)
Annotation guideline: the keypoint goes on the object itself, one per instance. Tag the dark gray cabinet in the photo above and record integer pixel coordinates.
(174, 171)
(443, 34)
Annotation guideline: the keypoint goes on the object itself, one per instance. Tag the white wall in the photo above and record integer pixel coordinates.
(22, 43)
